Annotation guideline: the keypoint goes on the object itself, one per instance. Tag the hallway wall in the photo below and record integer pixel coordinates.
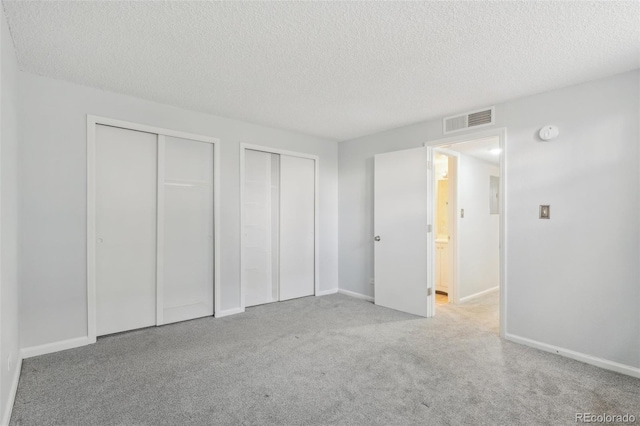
(479, 231)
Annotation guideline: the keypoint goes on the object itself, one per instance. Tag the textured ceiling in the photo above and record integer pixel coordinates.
(334, 69)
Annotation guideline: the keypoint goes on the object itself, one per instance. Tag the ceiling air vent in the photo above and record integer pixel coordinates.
(479, 118)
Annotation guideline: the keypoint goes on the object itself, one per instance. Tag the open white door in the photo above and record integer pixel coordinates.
(402, 184)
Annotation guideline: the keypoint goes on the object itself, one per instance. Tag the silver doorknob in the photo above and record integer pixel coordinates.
(377, 238)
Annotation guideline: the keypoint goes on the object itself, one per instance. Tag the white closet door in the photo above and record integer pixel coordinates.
(126, 179)
(297, 227)
(260, 227)
(186, 218)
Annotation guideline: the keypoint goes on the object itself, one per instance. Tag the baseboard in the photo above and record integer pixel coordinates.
(481, 293)
(228, 312)
(55, 347)
(578, 356)
(12, 394)
(325, 292)
(356, 295)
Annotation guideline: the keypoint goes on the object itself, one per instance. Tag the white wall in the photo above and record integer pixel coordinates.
(8, 216)
(53, 196)
(478, 231)
(573, 281)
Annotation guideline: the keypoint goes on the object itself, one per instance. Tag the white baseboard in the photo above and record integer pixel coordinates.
(578, 356)
(325, 292)
(356, 295)
(228, 312)
(481, 293)
(12, 394)
(55, 347)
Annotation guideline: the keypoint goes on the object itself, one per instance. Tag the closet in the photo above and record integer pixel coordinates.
(154, 245)
(278, 227)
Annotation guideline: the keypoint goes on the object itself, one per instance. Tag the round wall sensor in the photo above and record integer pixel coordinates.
(548, 133)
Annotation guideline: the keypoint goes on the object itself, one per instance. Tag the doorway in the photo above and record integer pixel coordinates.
(476, 240)
(467, 223)
(445, 201)
(405, 234)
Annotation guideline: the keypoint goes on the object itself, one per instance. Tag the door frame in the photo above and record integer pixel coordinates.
(243, 148)
(92, 122)
(432, 145)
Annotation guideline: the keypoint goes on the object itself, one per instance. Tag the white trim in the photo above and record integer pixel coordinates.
(270, 150)
(91, 226)
(55, 347)
(503, 233)
(316, 159)
(480, 293)
(227, 312)
(242, 151)
(326, 292)
(217, 256)
(356, 295)
(467, 137)
(92, 121)
(578, 356)
(431, 232)
(160, 232)
(12, 394)
(149, 129)
(501, 133)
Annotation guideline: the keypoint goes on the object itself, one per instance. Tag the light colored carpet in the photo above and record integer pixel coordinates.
(318, 360)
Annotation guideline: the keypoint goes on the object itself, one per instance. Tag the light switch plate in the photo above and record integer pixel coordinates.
(545, 211)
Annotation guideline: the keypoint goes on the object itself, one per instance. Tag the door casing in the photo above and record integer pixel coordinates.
(437, 145)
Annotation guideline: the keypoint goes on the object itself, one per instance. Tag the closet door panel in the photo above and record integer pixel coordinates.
(258, 254)
(187, 245)
(297, 227)
(126, 180)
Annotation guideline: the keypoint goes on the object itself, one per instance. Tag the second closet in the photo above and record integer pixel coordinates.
(278, 227)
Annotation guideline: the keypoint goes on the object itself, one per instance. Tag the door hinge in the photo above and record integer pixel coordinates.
(428, 228)
(429, 165)
(429, 291)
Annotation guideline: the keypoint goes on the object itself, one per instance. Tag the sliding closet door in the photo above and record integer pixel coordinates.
(260, 227)
(126, 179)
(297, 227)
(186, 231)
